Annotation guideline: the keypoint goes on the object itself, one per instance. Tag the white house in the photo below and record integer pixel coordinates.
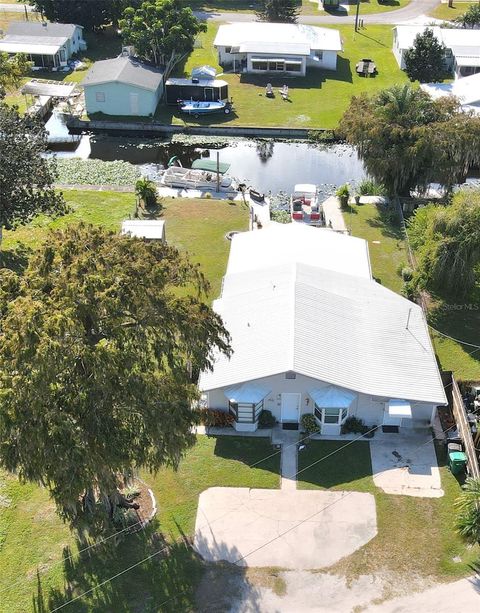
(148, 229)
(467, 90)
(48, 45)
(278, 48)
(312, 332)
(463, 46)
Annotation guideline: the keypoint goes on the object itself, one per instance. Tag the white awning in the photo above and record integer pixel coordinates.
(29, 48)
(467, 60)
(246, 392)
(399, 408)
(332, 397)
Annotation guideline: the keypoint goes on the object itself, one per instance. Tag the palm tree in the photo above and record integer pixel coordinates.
(468, 507)
(146, 191)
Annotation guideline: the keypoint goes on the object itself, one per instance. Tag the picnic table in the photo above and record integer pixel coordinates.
(366, 67)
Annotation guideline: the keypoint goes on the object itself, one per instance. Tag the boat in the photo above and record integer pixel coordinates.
(305, 206)
(197, 108)
(203, 180)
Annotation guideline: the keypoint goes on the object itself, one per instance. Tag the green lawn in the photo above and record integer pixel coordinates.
(385, 242)
(32, 536)
(443, 11)
(317, 100)
(195, 226)
(388, 255)
(416, 536)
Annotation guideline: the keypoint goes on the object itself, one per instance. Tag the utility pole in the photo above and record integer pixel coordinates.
(356, 15)
(218, 171)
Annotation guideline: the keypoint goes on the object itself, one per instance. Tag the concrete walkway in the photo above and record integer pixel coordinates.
(333, 215)
(288, 439)
(413, 11)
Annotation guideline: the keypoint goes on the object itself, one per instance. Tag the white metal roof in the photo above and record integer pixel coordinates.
(332, 397)
(284, 243)
(271, 47)
(466, 89)
(247, 392)
(399, 408)
(456, 39)
(277, 37)
(144, 228)
(341, 329)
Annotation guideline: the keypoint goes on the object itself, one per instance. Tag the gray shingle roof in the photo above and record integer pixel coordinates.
(43, 29)
(124, 70)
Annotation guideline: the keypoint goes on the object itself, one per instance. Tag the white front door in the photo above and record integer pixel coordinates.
(290, 407)
(134, 104)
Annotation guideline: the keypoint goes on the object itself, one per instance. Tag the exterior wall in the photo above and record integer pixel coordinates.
(370, 409)
(397, 52)
(328, 61)
(117, 99)
(227, 59)
(270, 56)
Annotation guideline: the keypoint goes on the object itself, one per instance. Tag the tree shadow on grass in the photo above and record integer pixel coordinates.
(388, 222)
(98, 579)
(249, 450)
(328, 464)
(167, 579)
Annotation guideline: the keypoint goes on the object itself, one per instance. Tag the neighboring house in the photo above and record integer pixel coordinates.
(48, 45)
(277, 48)
(467, 90)
(123, 86)
(148, 229)
(463, 47)
(312, 332)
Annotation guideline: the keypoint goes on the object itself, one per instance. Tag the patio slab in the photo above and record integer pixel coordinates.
(290, 529)
(406, 464)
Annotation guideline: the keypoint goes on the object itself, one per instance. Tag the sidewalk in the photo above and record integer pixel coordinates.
(288, 439)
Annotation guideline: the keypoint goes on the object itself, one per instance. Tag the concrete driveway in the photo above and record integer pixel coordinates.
(406, 464)
(290, 529)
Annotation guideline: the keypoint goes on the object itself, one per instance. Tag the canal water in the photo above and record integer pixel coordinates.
(268, 166)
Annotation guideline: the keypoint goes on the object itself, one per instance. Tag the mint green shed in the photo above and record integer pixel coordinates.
(123, 86)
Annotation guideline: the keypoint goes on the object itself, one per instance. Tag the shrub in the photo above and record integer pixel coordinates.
(280, 216)
(309, 423)
(407, 274)
(216, 418)
(353, 425)
(369, 187)
(266, 419)
(123, 518)
(342, 191)
(131, 492)
(208, 195)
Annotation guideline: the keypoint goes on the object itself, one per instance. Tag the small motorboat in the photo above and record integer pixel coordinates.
(191, 178)
(192, 107)
(305, 205)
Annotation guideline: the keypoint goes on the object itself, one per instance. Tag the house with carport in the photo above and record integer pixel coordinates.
(282, 49)
(313, 332)
(47, 45)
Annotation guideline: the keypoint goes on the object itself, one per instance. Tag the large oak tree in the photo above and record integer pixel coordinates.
(407, 140)
(26, 178)
(98, 338)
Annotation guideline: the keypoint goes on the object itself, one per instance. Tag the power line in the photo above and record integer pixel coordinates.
(217, 519)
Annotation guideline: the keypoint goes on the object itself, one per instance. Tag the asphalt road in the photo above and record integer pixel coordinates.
(411, 11)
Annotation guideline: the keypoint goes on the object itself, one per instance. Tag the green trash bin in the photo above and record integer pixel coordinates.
(457, 461)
